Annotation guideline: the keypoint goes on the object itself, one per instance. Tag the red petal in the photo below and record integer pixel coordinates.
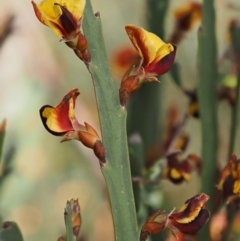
(195, 225)
(58, 120)
(163, 66)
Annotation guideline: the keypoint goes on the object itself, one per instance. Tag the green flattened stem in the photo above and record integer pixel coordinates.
(10, 232)
(207, 93)
(113, 125)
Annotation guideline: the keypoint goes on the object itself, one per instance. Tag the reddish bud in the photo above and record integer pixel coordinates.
(155, 224)
(82, 49)
(127, 86)
(99, 152)
(75, 216)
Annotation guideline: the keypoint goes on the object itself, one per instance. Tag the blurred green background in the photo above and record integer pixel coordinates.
(36, 69)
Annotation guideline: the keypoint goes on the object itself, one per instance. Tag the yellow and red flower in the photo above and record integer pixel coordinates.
(186, 16)
(61, 121)
(65, 18)
(178, 171)
(157, 58)
(188, 219)
(229, 181)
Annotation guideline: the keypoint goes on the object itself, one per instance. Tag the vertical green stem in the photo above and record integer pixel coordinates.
(235, 112)
(113, 125)
(207, 93)
(235, 118)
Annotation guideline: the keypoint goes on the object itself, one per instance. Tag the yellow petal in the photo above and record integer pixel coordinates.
(48, 14)
(75, 7)
(143, 45)
(163, 51)
(146, 43)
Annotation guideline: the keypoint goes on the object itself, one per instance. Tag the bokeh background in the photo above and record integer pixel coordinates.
(36, 69)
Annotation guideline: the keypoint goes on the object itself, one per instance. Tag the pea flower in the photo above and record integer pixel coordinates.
(188, 219)
(65, 19)
(61, 121)
(186, 17)
(229, 182)
(157, 59)
(178, 171)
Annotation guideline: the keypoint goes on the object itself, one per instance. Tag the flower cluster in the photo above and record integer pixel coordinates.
(157, 59)
(65, 19)
(188, 219)
(61, 121)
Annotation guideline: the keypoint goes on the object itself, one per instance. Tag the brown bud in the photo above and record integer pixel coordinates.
(123, 96)
(99, 151)
(128, 85)
(91, 139)
(82, 48)
(155, 224)
(87, 139)
(75, 216)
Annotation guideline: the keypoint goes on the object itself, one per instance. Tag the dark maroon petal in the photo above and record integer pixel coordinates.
(164, 65)
(67, 20)
(195, 225)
